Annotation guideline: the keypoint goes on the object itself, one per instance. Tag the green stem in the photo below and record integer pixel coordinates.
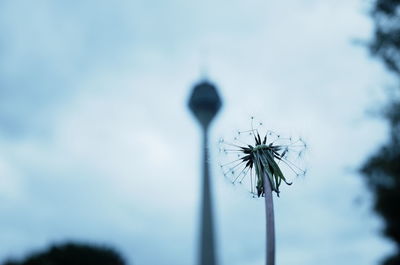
(270, 223)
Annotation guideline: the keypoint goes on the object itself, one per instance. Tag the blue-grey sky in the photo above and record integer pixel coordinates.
(97, 145)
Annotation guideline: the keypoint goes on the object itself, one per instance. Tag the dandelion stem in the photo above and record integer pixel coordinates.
(270, 223)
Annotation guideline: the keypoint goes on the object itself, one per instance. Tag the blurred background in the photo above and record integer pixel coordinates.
(97, 144)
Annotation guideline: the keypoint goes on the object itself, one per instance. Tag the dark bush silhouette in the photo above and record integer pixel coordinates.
(72, 254)
(382, 170)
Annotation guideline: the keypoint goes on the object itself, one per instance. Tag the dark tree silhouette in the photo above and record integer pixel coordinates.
(386, 43)
(382, 170)
(72, 254)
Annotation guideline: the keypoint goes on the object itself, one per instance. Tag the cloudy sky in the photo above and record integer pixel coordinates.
(97, 144)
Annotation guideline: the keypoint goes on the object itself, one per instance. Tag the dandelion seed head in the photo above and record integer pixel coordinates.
(256, 153)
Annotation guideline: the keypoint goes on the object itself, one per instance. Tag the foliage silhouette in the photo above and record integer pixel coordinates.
(382, 170)
(386, 43)
(72, 254)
